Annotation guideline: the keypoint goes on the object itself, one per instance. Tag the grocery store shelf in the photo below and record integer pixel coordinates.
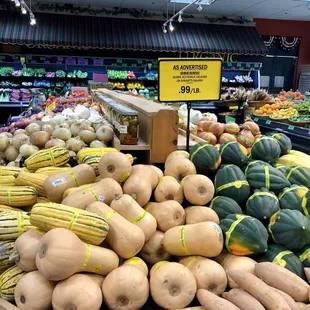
(141, 146)
(14, 104)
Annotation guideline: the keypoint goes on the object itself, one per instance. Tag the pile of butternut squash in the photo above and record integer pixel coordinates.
(123, 238)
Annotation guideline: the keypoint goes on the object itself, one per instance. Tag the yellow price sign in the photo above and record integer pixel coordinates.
(186, 79)
(51, 107)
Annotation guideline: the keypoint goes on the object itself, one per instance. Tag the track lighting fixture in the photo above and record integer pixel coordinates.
(199, 7)
(17, 3)
(171, 28)
(164, 29)
(32, 19)
(23, 9)
(180, 17)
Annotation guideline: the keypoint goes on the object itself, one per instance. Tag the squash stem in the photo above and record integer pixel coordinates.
(14, 257)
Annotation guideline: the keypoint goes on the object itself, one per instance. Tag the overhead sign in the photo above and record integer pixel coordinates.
(194, 79)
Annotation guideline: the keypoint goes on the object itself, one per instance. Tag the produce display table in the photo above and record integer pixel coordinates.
(158, 126)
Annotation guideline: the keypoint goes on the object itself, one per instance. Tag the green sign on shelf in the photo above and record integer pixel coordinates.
(241, 68)
(124, 65)
(268, 122)
(42, 58)
(134, 65)
(256, 119)
(119, 60)
(229, 119)
(229, 64)
(291, 127)
(139, 61)
(248, 65)
(256, 65)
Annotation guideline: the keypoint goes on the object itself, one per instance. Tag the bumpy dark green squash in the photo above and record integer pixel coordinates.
(290, 228)
(205, 156)
(283, 169)
(304, 255)
(262, 204)
(234, 153)
(298, 175)
(297, 198)
(268, 177)
(266, 149)
(253, 163)
(284, 142)
(231, 182)
(244, 235)
(279, 255)
(224, 206)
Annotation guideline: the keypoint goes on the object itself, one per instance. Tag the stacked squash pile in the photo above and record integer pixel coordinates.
(75, 237)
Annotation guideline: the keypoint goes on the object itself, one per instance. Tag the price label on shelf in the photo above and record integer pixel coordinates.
(184, 79)
(70, 61)
(248, 65)
(256, 119)
(119, 60)
(83, 62)
(291, 127)
(268, 122)
(98, 62)
(51, 107)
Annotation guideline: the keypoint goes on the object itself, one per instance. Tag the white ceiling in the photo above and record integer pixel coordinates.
(274, 9)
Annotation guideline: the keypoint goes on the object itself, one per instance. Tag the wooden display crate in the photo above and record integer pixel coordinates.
(158, 126)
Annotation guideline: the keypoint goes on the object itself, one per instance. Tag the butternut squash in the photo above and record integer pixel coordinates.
(259, 290)
(115, 165)
(55, 185)
(127, 207)
(284, 280)
(205, 239)
(79, 292)
(103, 191)
(176, 154)
(168, 214)
(243, 300)
(210, 301)
(138, 263)
(168, 188)
(198, 214)
(61, 254)
(125, 238)
(179, 168)
(153, 250)
(232, 262)
(209, 274)
(158, 171)
(25, 250)
(198, 189)
(125, 288)
(146, 172)
(172, 285)
(34, 292)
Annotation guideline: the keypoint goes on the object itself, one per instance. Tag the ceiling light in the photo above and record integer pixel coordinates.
(171, 28)
(180, 17)
(32, 19)
(23, 9)
(199, 7)
(17, 3)
(164, 29)
(202, 2)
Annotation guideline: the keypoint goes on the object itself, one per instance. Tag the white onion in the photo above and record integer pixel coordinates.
(59, 119)
(55, 142)
(27, 150)
(64, 125)
(105, 133)
(97, 144)
(72, 154)
(62, 133)
(31, 128)
(82, 112)
(75, 144)
(8, 134)
(4, 141)
(19, 140)
(46, 118)
(75, 129)
(87, 136)
(2, 155)
(11, 153)
(19, 131)
(48, 128)
(39, 138)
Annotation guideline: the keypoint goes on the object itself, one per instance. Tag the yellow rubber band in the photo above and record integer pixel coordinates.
(124, 177)
(183, 243)
(20, 222)
(109, 214)
(159, 264)
(8, 196)
(239, 218)
(91, 191)
(166, 178)
(304, 255)
(263, 194)
(52, 158)
(136, 261)
(74, 218)
(288, 190)
(198, 149)
(212, 202)
(148, 206)
(192, 260)
(248, 167)
(304, 202)
(267, 176)
(87, 256)
(74, 178)
(272, 221)
(139, 217)
(236, 184)
(278, 259)
(225, 146)
(291, 171)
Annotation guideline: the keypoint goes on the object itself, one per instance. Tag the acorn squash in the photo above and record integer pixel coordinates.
(290, 228)
(304, 255)
(205, 156)
(296, 198)
(262, 204)
(284, 142)
(231, 182)
(254, 163)
(268, 177)
(266, 149)
(244, 235)
(279, 255)
(298, 175)
(224, 206)
(234, 153)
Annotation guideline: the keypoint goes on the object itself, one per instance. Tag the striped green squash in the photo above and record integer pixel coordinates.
(89, 227)
(6, 249)
(13, 224)
(8, 281)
